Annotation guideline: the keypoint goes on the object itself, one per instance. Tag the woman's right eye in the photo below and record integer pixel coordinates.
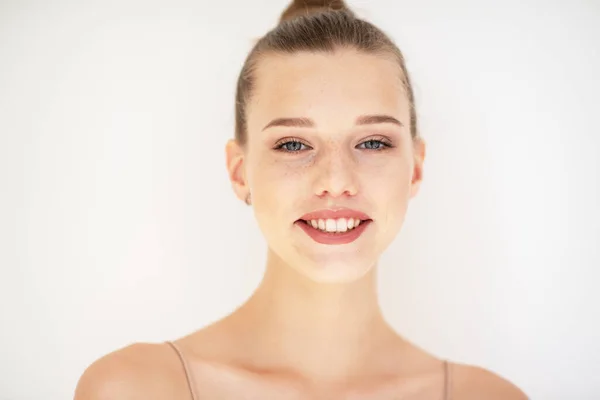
(291, 146)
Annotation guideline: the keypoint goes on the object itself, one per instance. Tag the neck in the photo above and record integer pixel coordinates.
(325, 331)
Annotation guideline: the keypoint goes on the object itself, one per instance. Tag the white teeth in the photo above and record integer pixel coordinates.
(330, 225)
(342, 225)
(339, 225)
(321, 224)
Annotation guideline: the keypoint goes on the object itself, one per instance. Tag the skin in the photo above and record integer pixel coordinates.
(313, 329)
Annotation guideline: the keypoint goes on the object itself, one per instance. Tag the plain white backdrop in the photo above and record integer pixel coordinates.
(118, 224)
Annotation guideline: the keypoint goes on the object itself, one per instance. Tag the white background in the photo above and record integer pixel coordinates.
(118, 224)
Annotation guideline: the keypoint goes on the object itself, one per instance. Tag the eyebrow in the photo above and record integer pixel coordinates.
(309, 123)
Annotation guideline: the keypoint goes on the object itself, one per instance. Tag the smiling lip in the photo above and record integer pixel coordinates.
(335, 214)
(334, 238)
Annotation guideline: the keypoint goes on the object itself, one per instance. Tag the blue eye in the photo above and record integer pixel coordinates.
(374, 144)
(291, 146)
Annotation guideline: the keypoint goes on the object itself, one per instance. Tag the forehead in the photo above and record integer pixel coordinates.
(333, 89)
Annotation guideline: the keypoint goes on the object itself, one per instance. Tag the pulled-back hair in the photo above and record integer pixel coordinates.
(317, 26)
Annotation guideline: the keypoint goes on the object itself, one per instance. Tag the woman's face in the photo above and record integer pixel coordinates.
(323, 137)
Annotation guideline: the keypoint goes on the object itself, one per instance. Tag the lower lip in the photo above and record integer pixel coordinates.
(333, 238)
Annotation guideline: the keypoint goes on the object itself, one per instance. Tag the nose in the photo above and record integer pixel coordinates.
(336, 175)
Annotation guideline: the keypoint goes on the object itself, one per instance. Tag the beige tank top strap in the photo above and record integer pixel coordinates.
(188, 374)
(447, 380)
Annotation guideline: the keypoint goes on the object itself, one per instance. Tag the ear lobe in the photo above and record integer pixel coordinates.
(234, 155)
(419, 156)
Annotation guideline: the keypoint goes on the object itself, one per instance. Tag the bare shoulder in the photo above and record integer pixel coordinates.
(138, 371)
(475, 383)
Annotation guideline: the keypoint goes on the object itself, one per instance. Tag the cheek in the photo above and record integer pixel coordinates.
(386, 173)
(387, 187)
(388, 193)
(274, 180)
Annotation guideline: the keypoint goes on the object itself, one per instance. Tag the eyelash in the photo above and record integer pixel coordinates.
(384, 144)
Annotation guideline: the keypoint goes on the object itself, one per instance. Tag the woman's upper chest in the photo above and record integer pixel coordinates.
(227, 385)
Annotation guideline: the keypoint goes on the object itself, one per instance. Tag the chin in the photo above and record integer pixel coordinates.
(336, 271)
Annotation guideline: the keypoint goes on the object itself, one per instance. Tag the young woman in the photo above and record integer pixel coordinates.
(328, 154)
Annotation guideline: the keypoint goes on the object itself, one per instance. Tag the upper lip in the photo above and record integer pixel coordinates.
(335, 214)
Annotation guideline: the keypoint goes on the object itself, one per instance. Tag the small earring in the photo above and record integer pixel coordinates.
(248, 199)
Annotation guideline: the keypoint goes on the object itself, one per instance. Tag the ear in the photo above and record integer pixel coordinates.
(419, 157)
(235, 156)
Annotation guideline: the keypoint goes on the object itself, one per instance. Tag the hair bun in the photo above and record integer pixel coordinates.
(306, 7)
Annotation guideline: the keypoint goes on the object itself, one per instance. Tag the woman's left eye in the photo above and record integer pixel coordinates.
(374, 144)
